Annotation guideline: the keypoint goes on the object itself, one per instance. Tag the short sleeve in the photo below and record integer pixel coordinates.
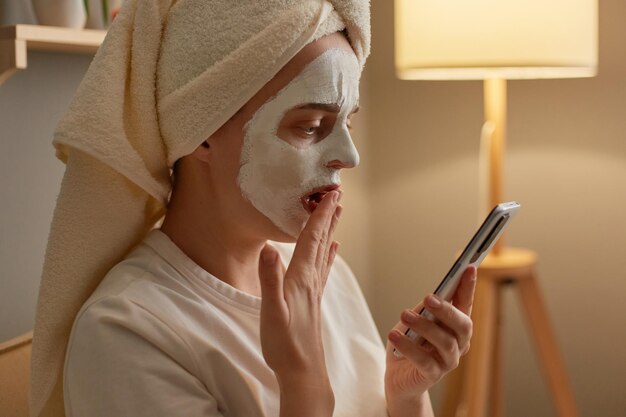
(123, 361)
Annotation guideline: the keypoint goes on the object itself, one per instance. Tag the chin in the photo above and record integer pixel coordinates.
(273, 232)
(283, 225)
(280, 235)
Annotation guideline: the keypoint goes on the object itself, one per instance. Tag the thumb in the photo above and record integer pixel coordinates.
(271, 276)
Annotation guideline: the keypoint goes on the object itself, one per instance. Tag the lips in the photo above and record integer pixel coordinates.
(311, 200)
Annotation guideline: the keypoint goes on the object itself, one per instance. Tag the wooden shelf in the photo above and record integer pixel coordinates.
(16, 40)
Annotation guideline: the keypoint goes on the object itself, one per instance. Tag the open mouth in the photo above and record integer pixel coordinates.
(311, 200)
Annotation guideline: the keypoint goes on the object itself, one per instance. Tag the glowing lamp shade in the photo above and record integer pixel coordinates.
(482, 39)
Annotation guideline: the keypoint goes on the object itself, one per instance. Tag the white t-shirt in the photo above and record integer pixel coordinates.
(160, 336)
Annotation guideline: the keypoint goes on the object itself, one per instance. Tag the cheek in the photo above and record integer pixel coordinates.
(286, 166)
(225, 151)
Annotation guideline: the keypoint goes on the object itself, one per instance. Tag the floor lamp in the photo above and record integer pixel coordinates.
(494, 41)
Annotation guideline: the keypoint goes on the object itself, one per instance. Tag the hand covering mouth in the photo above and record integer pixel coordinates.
(311, 200)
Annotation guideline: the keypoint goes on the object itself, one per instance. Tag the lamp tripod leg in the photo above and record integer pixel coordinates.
(545, 343)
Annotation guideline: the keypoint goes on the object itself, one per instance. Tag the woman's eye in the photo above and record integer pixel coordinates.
(309, 130)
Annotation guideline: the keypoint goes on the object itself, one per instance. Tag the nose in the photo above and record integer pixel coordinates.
(343, 153)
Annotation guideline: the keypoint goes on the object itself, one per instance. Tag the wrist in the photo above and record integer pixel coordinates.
(306, 396)
(414, 406)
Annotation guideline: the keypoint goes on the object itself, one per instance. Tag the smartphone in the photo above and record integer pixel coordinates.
(473, 254)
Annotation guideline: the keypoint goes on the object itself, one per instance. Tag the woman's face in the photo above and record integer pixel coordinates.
(292, 140)
(297, 142)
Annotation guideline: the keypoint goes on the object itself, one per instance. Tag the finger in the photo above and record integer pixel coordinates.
(434, 335)
(418, 308)
(334, 221)
(452, 318)
(334, 247)
(325, 243)
(315, 230)
(464, 294)
(424, 362)
(271, 278)
(331, 232)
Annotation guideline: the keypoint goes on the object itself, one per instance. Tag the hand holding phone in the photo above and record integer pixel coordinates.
(473, 254)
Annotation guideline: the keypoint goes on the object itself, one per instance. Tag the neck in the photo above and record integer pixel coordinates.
(204, 234)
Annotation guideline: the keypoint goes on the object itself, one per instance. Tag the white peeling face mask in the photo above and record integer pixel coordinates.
(276, 176)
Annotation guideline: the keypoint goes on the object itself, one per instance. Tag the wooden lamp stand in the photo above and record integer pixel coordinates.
(477, 384)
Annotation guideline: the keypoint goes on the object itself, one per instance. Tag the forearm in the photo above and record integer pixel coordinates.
(415, 407)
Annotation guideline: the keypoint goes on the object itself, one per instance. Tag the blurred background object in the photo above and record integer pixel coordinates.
(97, 14)
(15, 12)
(114, 9)
(66, 13)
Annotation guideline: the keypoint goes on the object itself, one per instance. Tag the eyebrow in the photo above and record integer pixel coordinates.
(329, 107)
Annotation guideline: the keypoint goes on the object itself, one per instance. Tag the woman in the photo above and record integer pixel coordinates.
(201, 317)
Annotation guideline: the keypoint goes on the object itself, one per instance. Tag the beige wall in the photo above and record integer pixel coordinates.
(566, 163)
(31, 103)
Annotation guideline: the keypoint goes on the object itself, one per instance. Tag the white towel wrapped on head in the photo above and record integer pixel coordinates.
(168, 75)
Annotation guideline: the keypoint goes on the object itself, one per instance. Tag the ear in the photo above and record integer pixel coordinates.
(202, 152)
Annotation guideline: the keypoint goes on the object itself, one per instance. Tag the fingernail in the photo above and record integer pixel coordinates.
(395, 335)
(433, 301)
(474, 274)
(335, 196)
(338, 211)
(409, 316)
